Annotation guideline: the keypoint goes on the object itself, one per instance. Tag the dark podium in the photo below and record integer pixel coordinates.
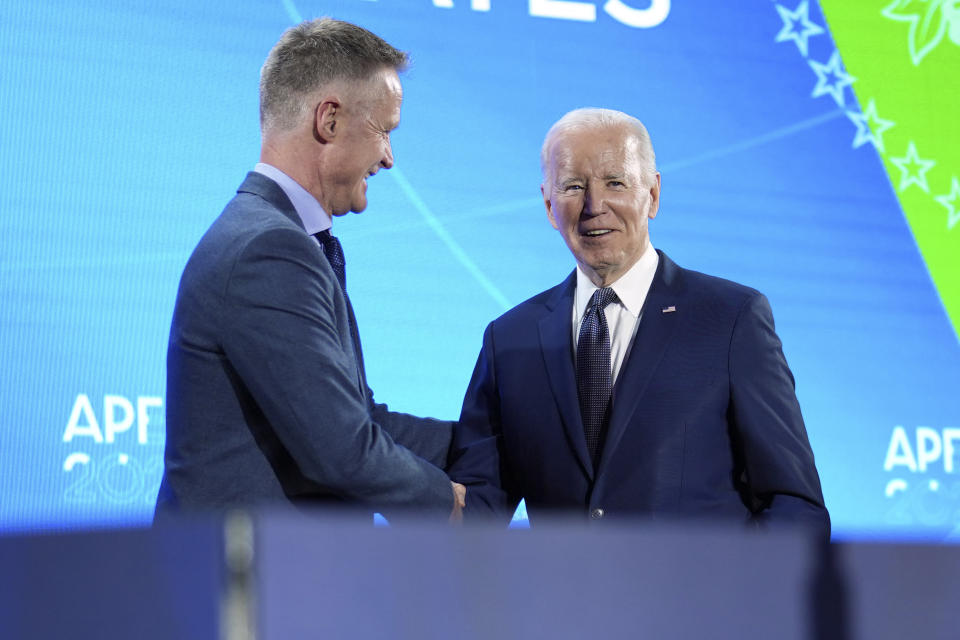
(283, 575)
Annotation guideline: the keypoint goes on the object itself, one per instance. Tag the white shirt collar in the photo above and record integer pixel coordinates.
(632, 287)
(314, 218)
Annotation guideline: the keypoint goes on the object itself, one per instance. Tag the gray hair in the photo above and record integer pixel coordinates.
(592, 117)
(313, 54)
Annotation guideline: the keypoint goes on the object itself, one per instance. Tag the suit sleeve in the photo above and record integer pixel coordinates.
(280, 333)
(426, 437)
(476, 457)
(781, 477)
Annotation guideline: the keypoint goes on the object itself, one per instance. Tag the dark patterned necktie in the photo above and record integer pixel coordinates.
(594, 380)
(334, 253)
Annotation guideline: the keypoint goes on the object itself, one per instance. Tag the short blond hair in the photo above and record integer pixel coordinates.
(310, 56)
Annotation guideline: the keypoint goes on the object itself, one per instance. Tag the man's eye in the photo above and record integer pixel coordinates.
(615, 183)
(572, 187)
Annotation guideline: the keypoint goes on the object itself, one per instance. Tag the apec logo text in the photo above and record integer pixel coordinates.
(925, 490)
(115, 462)
(582, 11)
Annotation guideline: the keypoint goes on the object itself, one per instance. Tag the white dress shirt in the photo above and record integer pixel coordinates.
(623, 317)
(314, 218)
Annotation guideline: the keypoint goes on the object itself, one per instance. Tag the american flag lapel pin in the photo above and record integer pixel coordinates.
(669, 309)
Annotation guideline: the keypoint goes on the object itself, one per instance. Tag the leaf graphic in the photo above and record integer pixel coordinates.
(907, 10)
(953, 18)
(928, 32)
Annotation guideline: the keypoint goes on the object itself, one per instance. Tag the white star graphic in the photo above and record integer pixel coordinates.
(913, 169)
(790, 19)
(833, 69)
(952, 202)
(864, 121)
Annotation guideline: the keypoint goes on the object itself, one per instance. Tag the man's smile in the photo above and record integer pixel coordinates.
(593, 233)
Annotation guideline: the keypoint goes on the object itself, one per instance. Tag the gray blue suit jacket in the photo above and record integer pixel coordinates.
(704, 422)
(267, 401)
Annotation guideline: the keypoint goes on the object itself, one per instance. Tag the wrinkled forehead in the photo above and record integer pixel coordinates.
(381, 90)
(391, 84)
(608, 150)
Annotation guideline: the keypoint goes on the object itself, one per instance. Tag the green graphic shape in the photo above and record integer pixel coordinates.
(905, 56)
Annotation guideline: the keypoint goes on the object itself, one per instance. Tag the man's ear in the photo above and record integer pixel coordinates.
(326, 119)
(548, 205)
(654, 198)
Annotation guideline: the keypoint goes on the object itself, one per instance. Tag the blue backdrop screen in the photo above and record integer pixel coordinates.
(126, 127)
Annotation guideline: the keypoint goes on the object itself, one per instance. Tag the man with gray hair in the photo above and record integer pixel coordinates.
(267, 400)
(635, 388)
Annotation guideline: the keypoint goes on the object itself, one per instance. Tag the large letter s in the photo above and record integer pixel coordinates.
(644, 18)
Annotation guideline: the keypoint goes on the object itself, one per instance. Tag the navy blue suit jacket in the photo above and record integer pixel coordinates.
(704, 420)
(267, 401)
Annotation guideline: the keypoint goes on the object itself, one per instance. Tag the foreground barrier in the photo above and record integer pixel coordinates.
(269, 576)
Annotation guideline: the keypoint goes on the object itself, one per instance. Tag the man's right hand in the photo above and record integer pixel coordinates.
(459, 502)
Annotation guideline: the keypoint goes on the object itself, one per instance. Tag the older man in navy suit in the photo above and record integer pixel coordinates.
(267, 401)
(635, 389)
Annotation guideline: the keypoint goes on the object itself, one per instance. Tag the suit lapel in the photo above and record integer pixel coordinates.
(357, 350)
(657, 325)
(556, 333)
(266, 188)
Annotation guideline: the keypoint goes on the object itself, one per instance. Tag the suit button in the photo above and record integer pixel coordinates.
(596, 514)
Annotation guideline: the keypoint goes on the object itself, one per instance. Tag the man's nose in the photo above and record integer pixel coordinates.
(387, 161)
(594, 202)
